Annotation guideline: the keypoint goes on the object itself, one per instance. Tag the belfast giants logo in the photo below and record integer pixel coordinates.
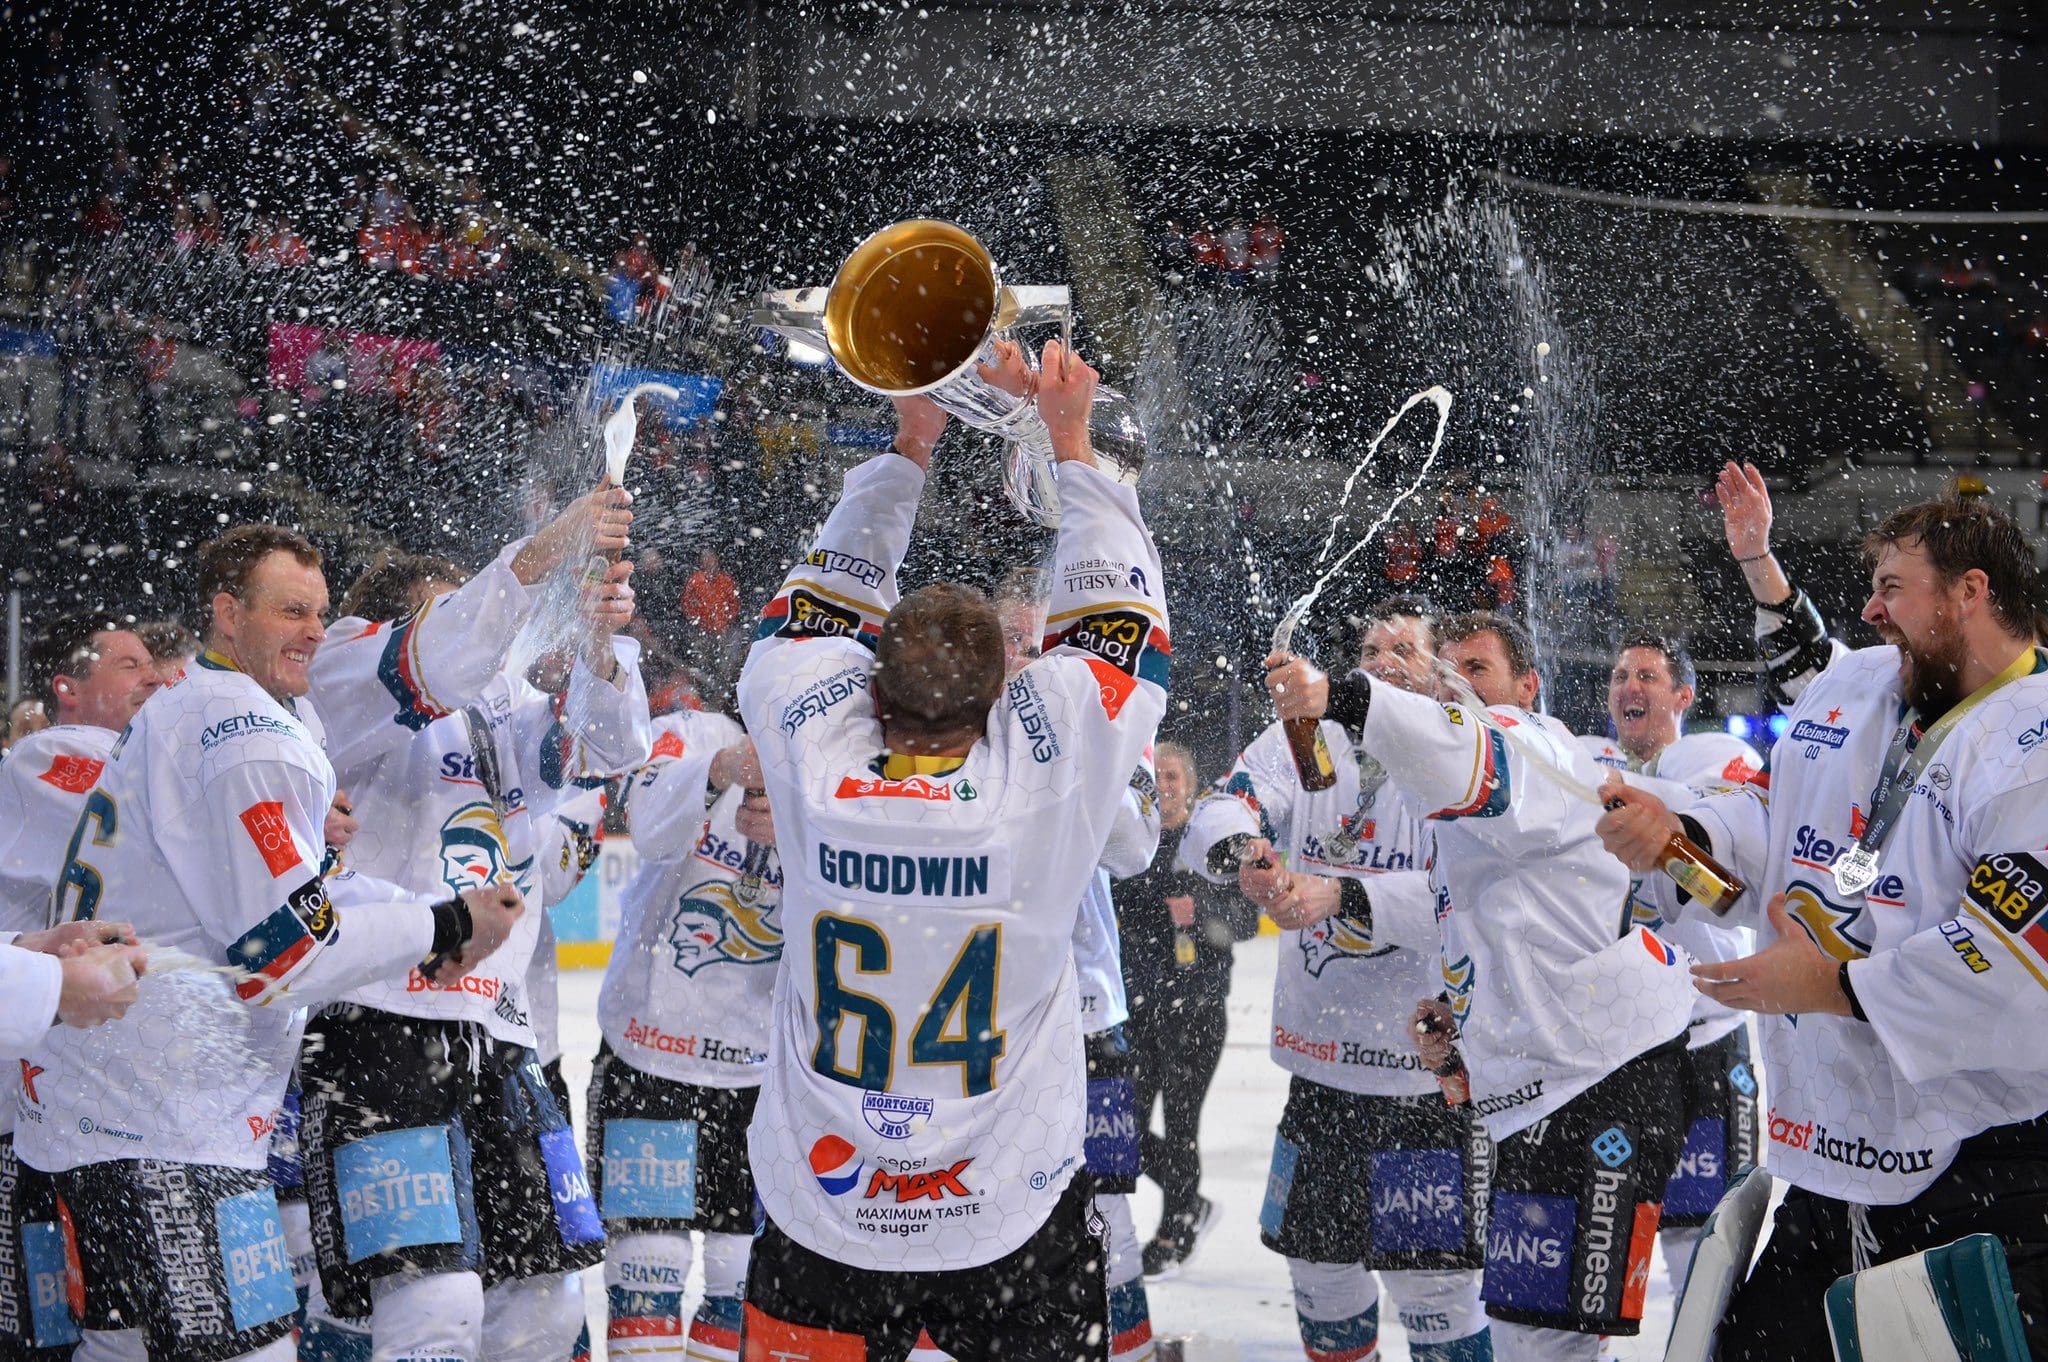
(473, 848)
(1335, 938)
(894, 1116)
(1459, 976)
(716, 924)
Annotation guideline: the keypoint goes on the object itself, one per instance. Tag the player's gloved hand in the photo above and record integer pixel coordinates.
(754, 820)
(1300, 689)
(340, 826)
(1066, 396)
(1436, 1033)
(76, 938)
(494, 909)
(1636, 826)
(919, 424)
(99, 983)
(593, 524)
(1309, 899)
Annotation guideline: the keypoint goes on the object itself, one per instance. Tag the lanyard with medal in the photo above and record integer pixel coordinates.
(1857, 868)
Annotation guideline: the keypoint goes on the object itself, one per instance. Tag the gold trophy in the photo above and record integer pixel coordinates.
(913, 309)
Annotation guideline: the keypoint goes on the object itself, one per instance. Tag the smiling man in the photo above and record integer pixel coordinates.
(1898, 846)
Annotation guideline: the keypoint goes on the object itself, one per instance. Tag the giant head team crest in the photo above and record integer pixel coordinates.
(1459, 976)
(473, 849)
(1335, 938)
(714, 925)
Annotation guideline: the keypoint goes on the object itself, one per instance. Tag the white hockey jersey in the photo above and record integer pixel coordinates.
(688, 992)
(205, 832)
(923, 1107)
(1948, 950)
(1342, 997)
(1098, 954)
(1697, 764)
(43, 785)
(1552, 984)
(439, 817)
(32, 983)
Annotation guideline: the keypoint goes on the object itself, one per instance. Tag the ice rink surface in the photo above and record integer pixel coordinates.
(1232, 1301)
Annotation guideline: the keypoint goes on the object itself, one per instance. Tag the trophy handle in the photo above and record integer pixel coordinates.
(794, 314)
(1032, 305)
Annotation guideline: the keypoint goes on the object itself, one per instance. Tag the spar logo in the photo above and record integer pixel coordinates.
(836, 1165)
(893, 1116)
(910, 787)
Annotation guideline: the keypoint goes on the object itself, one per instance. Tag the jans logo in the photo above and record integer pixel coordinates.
(1335, 938)
(894, 1117)
(473, 850)
(836, 1165)
(714, 925)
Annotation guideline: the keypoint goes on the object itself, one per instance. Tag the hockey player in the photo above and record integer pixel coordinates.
(1111, 1143)
(1372, 1170)
(90, 679)
(205, 827)
(1895, 858)
(1572, 1019)
(455, 784)
(918, 1142)
(1649, 690)
(685, 1013)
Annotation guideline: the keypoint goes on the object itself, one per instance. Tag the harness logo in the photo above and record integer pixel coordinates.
(1612, 1147)
(836, 1165)
(895, 1117)
(714, 925)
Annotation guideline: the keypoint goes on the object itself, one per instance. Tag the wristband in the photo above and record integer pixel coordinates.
(453, 926)
(1354, 904)
(1849, 992)
(1757, 558)
(1227, 855)
(1350, 700)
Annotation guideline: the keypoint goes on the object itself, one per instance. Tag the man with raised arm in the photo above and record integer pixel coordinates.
(918, 1143)
(1572, 1019)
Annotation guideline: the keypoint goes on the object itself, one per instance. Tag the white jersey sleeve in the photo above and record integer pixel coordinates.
(43, 784)
(378, 683)
(593, 729)
(568, 846)
(1456, 767)
(1255, 800)
(1134, 837)
(31, 982)
(671, 796)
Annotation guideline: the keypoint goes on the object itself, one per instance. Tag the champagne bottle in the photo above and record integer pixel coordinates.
(1311, 754)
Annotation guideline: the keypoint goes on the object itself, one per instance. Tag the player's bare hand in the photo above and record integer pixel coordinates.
(754, 820)
(737, 765)
(1300, 689)
(494, 909)
(1309, 899)
(99, 983)
(919, 424)
(1745, 509)
(1790, 976)
(1636, 827)
(1435, 1031)
(1066, 394)
(596, 523)
(340, 826)
(1181, 908)
(1260, 876)
(607, 605)
(1011, 372)
(76, 938)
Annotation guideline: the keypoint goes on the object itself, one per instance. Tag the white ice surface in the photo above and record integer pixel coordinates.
(1233, 1296)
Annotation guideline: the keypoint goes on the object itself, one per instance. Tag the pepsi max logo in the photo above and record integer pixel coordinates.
(1654, 944)
(836, 1165)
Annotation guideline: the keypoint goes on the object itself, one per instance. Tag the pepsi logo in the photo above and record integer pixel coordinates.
(836, 1164)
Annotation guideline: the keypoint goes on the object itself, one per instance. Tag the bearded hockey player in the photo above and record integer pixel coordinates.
(1572, 1018)
(1896, 860)
(1649, 689)
(456, 785)
(205, 828)
(918, 1144)
(1372, 1170)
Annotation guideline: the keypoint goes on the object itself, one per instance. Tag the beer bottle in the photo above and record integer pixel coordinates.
(1311, 754)
(1700, 875)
